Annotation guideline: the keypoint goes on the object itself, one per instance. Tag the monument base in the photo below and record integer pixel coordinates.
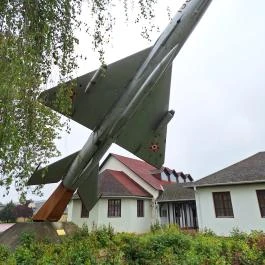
(51, 231)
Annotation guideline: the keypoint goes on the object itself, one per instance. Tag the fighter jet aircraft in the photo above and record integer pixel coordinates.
(124, 103)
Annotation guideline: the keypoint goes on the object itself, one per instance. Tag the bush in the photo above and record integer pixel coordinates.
(155, 227)
(103, 235)
(4, 254)
(167, 245)
(27, 239)
(133, 248)
(238, 235)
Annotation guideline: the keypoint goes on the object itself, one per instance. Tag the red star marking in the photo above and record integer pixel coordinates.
(154, 147)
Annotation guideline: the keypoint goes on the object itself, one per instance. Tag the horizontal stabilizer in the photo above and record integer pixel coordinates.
(88, 190)
(53, 172)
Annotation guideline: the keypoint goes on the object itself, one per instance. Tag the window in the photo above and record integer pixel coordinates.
(261, 200)
(84, 211)
(140, 208)
(114, 208)
(222, 204)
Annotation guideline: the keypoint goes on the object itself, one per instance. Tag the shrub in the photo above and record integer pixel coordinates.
(27, 239)
(207, 249)
(24, 256)
(238, 235)
(103, 235)
(134, 249)
(168, 245)
(155, 227)
(4, 254)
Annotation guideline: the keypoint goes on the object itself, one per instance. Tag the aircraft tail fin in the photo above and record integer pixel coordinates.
(88, 190)
(53, 172)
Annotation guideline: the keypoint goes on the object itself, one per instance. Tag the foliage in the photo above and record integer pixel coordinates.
(237, 234)
(103, 235)
(166, 246)
(7, 214)
(37, 38)
(155, 226)
(27, 239)
(4, 253)
(34, 36)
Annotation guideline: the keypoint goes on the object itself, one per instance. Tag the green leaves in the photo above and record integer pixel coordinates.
(34, 36)
(7, 214)
(37, 38)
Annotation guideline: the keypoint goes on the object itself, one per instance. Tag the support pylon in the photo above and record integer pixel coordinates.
(54, 207)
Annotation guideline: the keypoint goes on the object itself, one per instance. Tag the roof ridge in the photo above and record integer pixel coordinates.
(126, 157)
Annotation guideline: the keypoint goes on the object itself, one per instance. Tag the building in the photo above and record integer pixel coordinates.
(131, 197)
(123, 204)
(233, 197)
(177, 206)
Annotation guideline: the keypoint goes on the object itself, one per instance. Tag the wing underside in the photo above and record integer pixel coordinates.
(90, 107)
(142, 135)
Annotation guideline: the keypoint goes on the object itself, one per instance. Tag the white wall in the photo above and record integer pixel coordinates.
(74, 214)
(245, 205)
(128, 222)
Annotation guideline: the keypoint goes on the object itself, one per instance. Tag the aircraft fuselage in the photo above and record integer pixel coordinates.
(157, 62)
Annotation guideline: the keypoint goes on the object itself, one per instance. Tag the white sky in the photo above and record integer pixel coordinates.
(217, 89)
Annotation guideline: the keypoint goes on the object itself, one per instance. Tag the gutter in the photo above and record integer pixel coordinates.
(226, 184)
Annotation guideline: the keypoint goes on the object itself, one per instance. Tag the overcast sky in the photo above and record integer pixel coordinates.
(217, 89)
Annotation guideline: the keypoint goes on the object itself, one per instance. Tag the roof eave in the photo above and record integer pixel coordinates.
(178, 200)
(126, 196)
(119, 196)
(226, 184)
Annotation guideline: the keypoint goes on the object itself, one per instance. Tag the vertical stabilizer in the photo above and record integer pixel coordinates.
(88, 190)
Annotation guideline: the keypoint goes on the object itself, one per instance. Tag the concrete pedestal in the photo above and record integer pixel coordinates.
(52, 231)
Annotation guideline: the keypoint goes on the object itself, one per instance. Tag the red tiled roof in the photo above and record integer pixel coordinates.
(117, 183)
(142, 169)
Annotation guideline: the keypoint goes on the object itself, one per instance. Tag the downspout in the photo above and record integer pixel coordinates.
(168, 213)
(198, 206)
